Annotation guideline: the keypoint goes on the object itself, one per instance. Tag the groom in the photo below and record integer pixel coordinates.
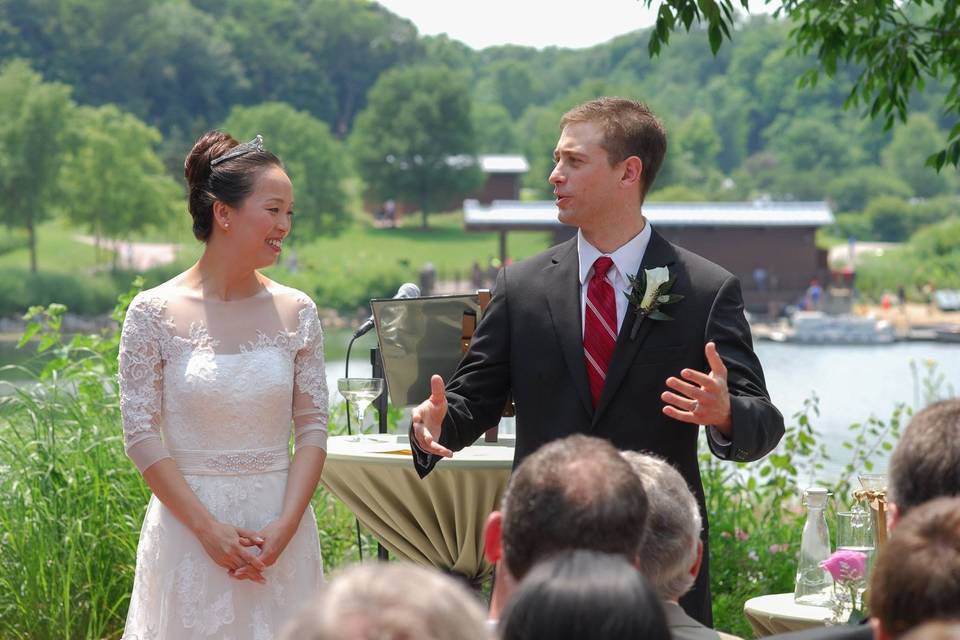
(579, 356)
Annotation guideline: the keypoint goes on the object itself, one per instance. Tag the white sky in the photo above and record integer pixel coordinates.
(535, 23)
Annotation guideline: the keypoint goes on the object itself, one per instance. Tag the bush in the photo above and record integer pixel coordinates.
(20, 289)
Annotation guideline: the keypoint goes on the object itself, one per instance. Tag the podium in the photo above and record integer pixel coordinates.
(437, 520)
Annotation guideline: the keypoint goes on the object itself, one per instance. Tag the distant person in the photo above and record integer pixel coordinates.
(563, 337)
(760, 278)
(390, 601)
(219, 367)
(584, 595)
(573, 493)
(390, 213)
(814, 293)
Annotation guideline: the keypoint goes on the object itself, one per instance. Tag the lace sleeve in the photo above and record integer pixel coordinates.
(310, 389)
(141, 382)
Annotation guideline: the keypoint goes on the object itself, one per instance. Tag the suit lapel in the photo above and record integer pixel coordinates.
(659, 253)
(562, 289)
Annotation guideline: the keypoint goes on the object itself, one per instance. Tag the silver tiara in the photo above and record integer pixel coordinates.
(240, 150)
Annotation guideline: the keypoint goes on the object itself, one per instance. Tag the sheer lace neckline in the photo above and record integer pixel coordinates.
(193, 295)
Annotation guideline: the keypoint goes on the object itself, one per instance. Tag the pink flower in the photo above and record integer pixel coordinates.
(742, 535)
(779, 548)
(846, 565)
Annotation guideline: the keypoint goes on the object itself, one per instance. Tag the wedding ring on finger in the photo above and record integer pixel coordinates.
(695, 406)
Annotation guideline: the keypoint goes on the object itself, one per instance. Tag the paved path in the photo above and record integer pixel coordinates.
(138, 256)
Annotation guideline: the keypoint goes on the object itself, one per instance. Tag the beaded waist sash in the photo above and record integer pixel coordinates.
(227, 462)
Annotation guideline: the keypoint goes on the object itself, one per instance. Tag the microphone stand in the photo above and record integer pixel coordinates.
(376, 362)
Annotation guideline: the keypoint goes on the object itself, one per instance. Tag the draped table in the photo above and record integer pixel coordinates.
(778, 613)
(436, 521)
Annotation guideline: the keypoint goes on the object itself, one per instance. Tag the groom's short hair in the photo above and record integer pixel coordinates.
(916, 577)
(629, 129)
(574, 493)
(926, 462)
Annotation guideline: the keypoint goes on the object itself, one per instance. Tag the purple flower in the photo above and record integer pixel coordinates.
(846, 565)
(742, 535)
(779, 548)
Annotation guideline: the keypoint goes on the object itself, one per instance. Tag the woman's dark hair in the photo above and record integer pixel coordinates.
(231, 181)
(584, 594)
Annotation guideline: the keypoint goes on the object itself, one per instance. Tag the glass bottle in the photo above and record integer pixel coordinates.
(814, 584)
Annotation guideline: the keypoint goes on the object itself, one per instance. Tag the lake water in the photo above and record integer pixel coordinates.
(852, 382)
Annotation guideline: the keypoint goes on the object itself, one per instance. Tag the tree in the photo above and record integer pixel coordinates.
(889, 217)
(851, 190)
(415, 140)
(314, 160)
(905, 154)
(113, 182)
(897, 46)
(35, 119)
(495, 129)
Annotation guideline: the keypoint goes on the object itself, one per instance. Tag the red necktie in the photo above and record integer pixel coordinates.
(600, 326)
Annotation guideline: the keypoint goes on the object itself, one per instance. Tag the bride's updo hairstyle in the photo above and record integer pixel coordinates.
(211, 177)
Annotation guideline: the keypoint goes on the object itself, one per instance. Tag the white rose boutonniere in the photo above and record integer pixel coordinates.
(649, 292)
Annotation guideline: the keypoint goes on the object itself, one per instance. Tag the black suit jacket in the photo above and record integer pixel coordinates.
(530, 342)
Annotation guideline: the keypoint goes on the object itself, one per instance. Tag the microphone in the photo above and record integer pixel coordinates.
(406, 290)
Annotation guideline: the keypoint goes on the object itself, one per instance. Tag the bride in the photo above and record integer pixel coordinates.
(215, 366)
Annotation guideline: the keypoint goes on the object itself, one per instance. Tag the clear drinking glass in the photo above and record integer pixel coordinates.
(855, 533)
(360, 392)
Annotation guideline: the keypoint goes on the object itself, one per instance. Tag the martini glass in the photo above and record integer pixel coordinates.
(360, 392)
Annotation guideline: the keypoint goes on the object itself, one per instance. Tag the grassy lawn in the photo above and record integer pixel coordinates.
(445, 244)
(57, 251)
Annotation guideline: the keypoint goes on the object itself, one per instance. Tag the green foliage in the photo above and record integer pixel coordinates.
(907, 152)
(21, 289)
(888, 218)
(755, 514)
(314, 159)
(851, 190)
(897, 47)
(495, 129)
(113, 182)
(415, 140)
(35, 119)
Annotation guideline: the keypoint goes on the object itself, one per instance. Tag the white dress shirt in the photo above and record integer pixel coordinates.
(626, 261)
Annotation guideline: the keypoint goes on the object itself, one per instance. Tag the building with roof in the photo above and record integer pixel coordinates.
(770, 246)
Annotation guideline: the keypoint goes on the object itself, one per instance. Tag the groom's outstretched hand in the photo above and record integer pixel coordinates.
(701, 398)
(427, 420)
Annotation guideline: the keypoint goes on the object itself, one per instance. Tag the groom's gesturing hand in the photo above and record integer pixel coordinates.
(428, 420)
(701, 398)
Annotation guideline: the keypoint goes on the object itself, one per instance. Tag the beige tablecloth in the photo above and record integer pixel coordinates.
(436, 521)
(778, 613)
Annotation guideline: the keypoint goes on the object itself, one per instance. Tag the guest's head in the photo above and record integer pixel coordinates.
(390, 601)
(671, 552)
(584, 594)
(574, 493)
(916, 577)
(942, 630)
(926, 461)
(240, 197)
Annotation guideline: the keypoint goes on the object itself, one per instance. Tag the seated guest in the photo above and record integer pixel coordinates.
(671, 551)
(945, 630)
(574, 493)
(916, 576)
(390, 601)
(584, 595)
(925, 465)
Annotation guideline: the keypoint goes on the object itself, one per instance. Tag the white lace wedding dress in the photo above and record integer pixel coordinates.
(216, 386)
